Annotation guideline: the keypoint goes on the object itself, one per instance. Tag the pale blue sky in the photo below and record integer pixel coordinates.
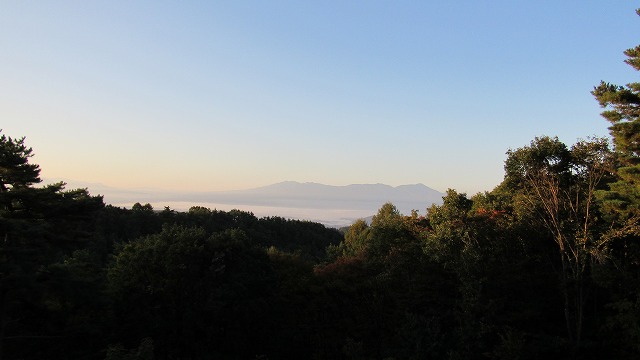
(213, 95)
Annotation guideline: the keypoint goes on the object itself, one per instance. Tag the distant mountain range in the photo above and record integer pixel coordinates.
(318, 196)
(332, 205)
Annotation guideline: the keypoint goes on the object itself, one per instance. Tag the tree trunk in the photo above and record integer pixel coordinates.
(567, 300)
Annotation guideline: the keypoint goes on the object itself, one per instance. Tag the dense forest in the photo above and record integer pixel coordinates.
(545, 266)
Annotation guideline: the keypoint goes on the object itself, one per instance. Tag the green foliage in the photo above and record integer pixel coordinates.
(497, 271)
(15, 169)
(356, 237)
(559, 186)
(448, 235)
(544, 266)
(621, 208)
(622, 110)
(44, 289)
(192, 292)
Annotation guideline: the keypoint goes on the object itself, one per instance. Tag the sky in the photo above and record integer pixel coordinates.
(224, 95)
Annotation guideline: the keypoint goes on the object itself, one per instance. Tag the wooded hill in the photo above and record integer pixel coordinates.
(545, 266)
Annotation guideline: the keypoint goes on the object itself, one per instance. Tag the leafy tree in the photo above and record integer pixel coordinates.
(447, 222)
(394, 302)
(389, 231)
(493, 276)
(195, 294)
(559, 185)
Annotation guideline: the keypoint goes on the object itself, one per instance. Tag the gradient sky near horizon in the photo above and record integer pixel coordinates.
(222, 95)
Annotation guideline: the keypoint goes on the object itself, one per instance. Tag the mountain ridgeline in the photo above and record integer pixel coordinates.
(331, 205)
(313, 195)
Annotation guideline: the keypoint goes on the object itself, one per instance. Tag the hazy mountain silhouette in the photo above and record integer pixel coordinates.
(318, 196)
(331, 205)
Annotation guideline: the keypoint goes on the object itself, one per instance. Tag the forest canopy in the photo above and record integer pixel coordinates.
(546, 265)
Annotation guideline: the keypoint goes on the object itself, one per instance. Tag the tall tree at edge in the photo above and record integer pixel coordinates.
(622, 110)
(39, 227)
(621, 204)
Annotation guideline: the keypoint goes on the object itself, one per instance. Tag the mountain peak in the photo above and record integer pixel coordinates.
(405, 197)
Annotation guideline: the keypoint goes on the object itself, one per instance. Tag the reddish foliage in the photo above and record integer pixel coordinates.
(342, 266)
(491, 214)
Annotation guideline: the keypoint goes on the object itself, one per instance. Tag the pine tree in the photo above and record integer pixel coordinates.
(621, 206)
(40, 228)
(622, 110)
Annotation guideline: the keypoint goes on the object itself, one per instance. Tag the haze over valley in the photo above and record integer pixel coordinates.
(328, 204)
